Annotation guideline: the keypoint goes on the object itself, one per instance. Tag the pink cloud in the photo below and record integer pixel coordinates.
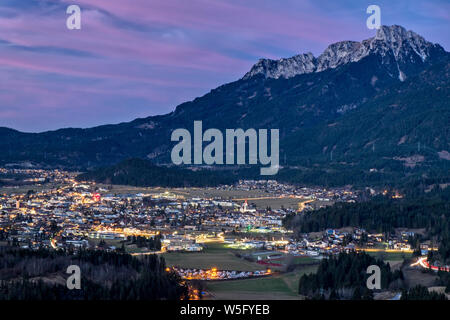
(149, 55)
(245, 17)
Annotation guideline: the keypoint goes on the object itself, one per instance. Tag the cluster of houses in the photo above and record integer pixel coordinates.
(214, 274)
(276, 188)
(175, 242)
(333, 241)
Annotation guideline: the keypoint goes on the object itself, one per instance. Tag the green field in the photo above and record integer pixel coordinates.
(215, 255)
(25, 188)
(391, 256)
(277, 287)
(261, 202)
(305, 260)
(219, 256)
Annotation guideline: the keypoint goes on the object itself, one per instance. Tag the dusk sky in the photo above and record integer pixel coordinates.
(136, 58)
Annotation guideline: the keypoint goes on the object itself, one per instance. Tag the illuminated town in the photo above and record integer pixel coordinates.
(59, 212)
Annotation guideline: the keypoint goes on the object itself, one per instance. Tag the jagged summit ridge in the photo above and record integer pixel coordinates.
(288, 68)
(404, 46)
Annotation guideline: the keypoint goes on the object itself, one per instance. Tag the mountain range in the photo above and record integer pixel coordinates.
(377, 106)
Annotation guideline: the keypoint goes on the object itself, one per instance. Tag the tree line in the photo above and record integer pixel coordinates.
(25, 274)
(151, 243)
(344, 277)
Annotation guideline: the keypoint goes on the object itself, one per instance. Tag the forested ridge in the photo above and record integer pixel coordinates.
(417, 210)
(344, 277)
(142, 173)
(381, 214)
(41, 274)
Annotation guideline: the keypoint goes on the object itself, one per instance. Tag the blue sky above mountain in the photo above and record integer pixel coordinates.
(140, 60)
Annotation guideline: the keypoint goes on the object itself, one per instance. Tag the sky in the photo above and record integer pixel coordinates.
(137, 58)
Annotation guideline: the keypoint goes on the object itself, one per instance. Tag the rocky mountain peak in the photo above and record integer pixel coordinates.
(285, 67)
(338, 53)
(395, 42)
(401, 42)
